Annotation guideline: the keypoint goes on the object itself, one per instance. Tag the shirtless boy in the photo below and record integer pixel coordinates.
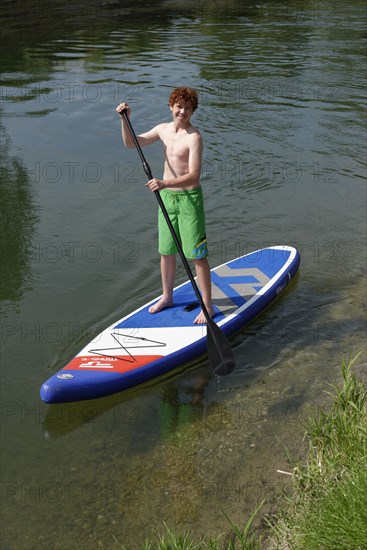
(181, 193)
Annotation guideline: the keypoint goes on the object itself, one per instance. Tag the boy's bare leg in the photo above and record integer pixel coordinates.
(168, 272)
(203, 275)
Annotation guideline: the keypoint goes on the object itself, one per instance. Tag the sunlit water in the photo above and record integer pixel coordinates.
(282, 117)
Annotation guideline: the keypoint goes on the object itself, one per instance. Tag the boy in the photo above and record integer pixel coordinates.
(181, 193)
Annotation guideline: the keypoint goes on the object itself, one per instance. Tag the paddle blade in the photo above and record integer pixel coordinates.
(220, 353)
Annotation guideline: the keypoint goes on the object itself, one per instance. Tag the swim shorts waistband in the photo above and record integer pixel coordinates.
(186, 192)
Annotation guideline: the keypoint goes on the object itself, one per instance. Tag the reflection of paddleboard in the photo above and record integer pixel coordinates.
(142, 345)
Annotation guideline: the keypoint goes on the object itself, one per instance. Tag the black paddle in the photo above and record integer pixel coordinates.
(219, 351)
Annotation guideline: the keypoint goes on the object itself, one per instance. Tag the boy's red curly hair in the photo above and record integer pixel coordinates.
(188, 95)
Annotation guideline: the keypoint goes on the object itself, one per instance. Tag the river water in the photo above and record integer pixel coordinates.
(282, 95)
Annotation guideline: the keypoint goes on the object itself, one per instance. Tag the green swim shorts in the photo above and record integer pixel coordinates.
(186, 212)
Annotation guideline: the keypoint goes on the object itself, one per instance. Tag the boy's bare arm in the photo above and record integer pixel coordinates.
(144, 139)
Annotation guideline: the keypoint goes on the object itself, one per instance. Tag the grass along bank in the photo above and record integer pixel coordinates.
(328, 509)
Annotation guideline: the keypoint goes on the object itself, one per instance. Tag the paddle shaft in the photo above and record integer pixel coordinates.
(148, 172)
(219, 350)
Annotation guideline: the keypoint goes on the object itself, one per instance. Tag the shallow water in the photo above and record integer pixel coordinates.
(281, 112)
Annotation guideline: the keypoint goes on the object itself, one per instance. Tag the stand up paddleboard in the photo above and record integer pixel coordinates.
(142, 346)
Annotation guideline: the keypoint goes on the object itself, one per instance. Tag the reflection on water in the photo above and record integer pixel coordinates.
(280, 112)
(18, 222)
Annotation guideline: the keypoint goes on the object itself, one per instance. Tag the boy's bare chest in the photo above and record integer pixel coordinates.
(176, 146)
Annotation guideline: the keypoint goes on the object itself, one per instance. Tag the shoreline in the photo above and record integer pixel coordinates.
(330, 482)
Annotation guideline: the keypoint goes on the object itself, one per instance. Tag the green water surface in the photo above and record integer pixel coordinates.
(282, 97)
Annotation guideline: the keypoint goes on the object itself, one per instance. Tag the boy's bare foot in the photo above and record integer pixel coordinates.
(200, 319)
(163, 303)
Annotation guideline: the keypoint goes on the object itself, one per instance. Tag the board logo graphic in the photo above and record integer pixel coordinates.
(233, 287)
(65, 376)
(282, 287)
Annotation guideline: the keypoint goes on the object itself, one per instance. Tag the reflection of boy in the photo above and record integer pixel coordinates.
(181, 404)
(181, 193)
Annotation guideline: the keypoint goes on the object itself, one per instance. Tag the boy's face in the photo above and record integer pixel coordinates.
(181, 112)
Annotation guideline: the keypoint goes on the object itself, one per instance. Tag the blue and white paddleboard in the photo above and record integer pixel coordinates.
(142, 346)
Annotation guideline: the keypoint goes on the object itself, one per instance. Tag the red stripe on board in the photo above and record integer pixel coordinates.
(122, 363)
